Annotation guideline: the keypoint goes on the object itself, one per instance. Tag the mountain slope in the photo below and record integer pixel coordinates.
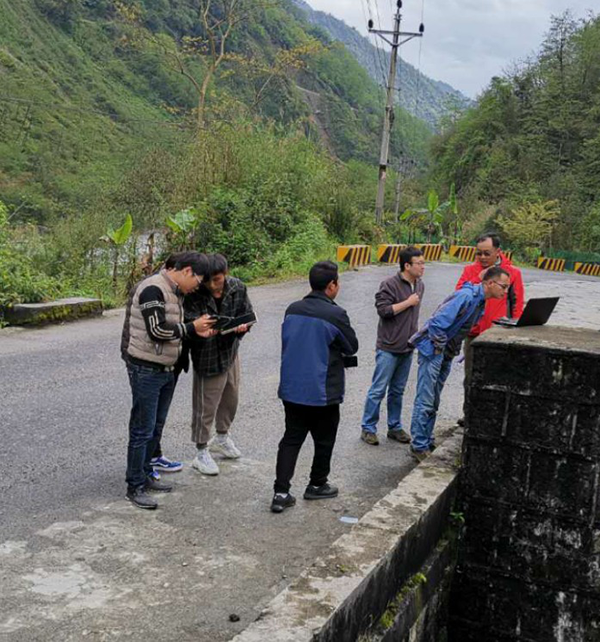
(83, 97)
(419, 95)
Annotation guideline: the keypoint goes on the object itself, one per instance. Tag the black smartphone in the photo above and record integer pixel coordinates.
(221, 321)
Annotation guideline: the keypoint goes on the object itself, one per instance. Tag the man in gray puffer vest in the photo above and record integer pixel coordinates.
(151, 346)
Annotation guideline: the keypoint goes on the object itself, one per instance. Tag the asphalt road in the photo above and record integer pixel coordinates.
(79, 562)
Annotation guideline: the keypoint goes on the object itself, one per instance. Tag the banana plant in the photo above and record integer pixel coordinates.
(117, 239)
(431, 217)
(183, 225)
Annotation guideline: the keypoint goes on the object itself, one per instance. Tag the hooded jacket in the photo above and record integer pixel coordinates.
(447, 326)
(509, 306)
(316, 333)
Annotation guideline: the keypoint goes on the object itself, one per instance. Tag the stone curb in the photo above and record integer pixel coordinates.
(342, 592)
(52, 311)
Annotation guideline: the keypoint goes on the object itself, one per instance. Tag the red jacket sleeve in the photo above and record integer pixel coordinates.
(465, 277)
(519, 293)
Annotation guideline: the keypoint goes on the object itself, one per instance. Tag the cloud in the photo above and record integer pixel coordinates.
(466, 41)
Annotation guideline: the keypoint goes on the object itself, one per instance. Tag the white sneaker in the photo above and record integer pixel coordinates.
(204, 463)
(223, 444)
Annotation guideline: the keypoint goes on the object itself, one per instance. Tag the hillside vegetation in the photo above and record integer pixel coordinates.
(87, 92)
(526, 158)
(111, 108)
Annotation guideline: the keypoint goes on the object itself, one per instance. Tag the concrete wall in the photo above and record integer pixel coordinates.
(529, 562)
(380, 561)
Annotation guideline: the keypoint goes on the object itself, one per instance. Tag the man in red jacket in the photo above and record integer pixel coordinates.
(488, 254)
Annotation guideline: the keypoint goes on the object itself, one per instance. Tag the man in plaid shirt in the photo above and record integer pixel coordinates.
(216, 364)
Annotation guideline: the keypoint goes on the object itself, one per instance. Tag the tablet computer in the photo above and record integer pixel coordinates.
(229, 324)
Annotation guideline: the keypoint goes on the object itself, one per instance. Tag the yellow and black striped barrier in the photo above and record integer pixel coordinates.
(389, 253)
(355, 255)
(555, 265)
(464, 253)
(591, 269)
(431, 251)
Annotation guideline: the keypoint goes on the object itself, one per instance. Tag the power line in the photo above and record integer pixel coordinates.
(375, 54)
(379, 61)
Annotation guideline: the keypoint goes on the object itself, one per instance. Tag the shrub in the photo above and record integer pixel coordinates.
(20, 279)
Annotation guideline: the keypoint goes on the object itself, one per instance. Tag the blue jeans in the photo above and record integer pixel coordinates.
(433, 372)
(151, 391)
(391, 371)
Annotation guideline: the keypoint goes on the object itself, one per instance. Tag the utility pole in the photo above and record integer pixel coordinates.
(405, 170)
(388, 120)
(399, 177)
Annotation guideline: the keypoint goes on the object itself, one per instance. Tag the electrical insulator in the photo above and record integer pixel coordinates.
(421, 28)
(399, 4)
(370, 24)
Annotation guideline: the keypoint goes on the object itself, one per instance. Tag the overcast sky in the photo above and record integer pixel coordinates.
(466, 41)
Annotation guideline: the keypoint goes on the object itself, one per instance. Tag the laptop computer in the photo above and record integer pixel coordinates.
(536, 312)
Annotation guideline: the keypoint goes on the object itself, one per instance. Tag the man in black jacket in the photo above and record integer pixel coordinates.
(216, 363)
(316, 335)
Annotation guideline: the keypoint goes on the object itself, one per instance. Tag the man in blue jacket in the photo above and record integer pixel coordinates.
(438, 342)
(316, 336)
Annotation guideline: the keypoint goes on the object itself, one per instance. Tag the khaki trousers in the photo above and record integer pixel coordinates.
(214, 401)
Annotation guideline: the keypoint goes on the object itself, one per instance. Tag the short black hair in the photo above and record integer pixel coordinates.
(217, 264)
(322, 274)
(494, 238)
(494, 272)
(195, 260)
(407, 255)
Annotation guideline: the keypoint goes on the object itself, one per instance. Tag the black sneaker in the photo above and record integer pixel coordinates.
(140, 498)
(399, 435)
(279, 503)
(156, 486)
(326, 491)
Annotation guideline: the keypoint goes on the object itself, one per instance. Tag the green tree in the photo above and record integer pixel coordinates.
(530, 226)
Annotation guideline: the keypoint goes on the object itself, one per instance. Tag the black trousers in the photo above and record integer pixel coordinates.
(322, 424)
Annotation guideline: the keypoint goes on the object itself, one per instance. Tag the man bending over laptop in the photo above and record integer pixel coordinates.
(216, 362)
(488, 254)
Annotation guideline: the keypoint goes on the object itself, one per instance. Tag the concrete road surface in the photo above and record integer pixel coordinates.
(79, 562)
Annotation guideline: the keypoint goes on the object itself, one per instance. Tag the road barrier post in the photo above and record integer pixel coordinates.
(354, 255)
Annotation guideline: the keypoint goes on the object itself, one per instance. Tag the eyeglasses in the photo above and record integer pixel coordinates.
(504, 286)
(417, 263)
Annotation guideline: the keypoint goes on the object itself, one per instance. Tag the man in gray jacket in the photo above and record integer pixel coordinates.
(398, 302)
(151, 346)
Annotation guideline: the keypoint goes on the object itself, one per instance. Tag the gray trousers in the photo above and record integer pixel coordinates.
(214, 401)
